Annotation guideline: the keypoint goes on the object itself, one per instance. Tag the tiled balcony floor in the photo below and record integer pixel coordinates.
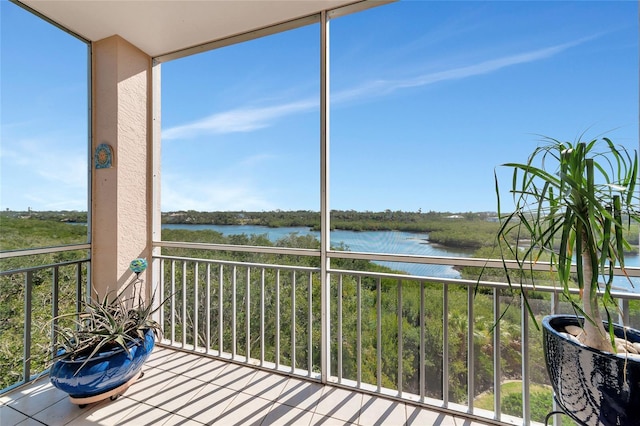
(185, 389)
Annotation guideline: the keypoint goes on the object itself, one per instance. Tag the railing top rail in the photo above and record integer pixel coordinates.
(40, 267)
(236, 263)
(235, 248)
(473, 283)
(8, 254)
(462, 261)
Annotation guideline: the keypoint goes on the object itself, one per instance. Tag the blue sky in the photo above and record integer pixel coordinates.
(427, 98)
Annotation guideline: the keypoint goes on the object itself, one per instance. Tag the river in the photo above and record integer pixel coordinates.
(393, 242)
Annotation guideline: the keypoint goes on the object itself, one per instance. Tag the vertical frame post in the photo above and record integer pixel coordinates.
(325, 282)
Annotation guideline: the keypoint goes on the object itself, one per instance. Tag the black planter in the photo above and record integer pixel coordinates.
(593, 387)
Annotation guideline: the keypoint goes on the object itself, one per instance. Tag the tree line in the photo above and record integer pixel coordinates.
(470, 230)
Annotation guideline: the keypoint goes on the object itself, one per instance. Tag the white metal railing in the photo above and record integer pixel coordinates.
(270, 316)
(267, 315)
(209, 307)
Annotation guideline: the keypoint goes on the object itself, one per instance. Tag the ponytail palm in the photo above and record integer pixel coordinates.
(573, 201)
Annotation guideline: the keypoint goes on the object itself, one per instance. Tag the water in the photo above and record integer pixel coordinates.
(396, 242)
(390, 242)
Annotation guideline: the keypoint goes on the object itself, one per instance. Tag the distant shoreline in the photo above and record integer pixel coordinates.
(469, 231)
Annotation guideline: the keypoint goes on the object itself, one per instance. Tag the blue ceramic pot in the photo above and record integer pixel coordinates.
(105, 371)
(593, 387)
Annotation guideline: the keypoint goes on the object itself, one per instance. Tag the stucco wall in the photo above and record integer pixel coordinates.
(120, 194)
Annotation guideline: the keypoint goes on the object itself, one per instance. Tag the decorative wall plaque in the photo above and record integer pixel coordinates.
(104, 156)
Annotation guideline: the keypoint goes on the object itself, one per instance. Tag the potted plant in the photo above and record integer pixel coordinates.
(573, 203)
(99, 351)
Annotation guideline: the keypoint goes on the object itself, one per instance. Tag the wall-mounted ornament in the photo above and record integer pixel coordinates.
(103, 158)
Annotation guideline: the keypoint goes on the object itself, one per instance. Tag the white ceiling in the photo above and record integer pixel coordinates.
(158, 27)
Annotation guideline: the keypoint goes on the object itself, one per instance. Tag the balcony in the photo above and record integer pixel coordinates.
(233, 330)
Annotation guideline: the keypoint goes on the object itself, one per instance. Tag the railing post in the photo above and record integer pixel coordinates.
(623, 313)
(79, 296)
(339, 342)
(262, 295)
(422, 344)
(359, 329)
(247, 298)
(208, 309)
(277, 350)
(310, 326)
(445, 344)
(173, 301)
(293, 321)
(184, 303)
(234, 312)
(471, 370)
(526, 407)
(220, 309)
(160, 314)
(55, 294)
(497, 373)
(196, 301)
(555, 303)
(379, 334)
(400, 338)
(26, 365)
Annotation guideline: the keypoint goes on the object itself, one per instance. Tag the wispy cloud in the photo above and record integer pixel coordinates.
(238, 120)
(253, 118)
(385, 87)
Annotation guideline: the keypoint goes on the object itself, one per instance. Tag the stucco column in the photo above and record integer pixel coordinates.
(121, 188)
